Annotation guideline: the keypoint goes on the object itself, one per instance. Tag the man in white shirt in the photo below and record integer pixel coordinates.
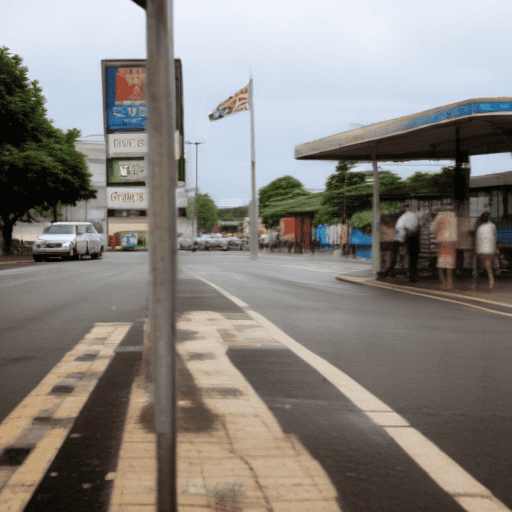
(408, 228)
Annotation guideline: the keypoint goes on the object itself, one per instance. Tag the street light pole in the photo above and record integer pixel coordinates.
(196, 191)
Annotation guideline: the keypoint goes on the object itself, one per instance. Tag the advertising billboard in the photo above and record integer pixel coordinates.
(127, 198)
(124, 86)
(126, 144)
(125, 110)
(130, 170)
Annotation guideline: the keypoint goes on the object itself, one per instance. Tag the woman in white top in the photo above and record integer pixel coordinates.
(486, 244)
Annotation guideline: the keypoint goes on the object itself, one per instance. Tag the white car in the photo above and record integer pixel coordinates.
(68, 239)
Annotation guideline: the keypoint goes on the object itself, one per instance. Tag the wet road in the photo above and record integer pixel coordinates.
(443, 367)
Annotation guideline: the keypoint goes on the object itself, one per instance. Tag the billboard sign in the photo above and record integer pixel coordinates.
(127, 144)
(127, 170)
(125, 110)
(124, 85)
(127, 198)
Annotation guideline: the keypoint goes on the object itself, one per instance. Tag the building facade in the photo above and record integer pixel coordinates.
(121, 202)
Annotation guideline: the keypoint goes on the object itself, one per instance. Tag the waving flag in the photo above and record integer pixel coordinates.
(237, 103)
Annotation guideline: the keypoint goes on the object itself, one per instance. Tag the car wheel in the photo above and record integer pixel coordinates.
(46, 258)
(73, 255)
(100, 254)
(194, 249)
(37, 258)
(225, 248)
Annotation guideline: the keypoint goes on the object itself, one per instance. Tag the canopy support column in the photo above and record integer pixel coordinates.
(376, 216)
(461, 178)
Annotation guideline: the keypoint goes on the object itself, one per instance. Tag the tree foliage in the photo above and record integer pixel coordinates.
(347, 192)
(277, 191)
(233, 213)
(207, 212)
(39, 165)
(363, 219)
(286, 187)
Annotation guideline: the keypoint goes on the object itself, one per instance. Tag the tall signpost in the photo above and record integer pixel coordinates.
(144, 118)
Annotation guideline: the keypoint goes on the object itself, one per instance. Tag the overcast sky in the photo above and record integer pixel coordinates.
(319, 68)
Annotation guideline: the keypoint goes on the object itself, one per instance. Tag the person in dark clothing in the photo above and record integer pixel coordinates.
(409, 227)
(394, 246)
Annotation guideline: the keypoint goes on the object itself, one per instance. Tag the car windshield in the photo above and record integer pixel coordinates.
(59, 230)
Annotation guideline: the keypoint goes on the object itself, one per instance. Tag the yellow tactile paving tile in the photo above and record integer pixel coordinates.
(245, 457)
(18, 483)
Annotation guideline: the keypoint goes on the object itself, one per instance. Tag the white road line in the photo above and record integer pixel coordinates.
(452, 478)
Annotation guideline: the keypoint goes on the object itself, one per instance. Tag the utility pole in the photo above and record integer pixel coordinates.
(197, 188)
(161, 109)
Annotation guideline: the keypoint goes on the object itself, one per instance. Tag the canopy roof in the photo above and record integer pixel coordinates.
(484, 127)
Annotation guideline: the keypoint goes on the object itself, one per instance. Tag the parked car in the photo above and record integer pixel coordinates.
(219, 242)
(203, 243)
(235, 242)
(212, 241)
(68, 239)
(187, 243)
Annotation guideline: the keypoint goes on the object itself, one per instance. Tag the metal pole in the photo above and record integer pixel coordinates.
(161, 103)
(195, 196)
(253, 214)
(376, 216)
(197, 188)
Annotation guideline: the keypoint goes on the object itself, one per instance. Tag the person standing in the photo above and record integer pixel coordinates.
(445, 228)
(408, 227)
(486, 239)
(391, 240)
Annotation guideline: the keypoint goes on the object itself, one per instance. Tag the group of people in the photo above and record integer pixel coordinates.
(445, 227)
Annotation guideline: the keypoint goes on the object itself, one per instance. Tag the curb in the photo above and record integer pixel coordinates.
(370, 281)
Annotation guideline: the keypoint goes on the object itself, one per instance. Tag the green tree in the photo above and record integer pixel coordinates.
(207, 212)
(277, 191)
(280, 189)
(226, 214)
(39, 165)
(364, 219)
(439, 183)
(344, 194)
(348, 192)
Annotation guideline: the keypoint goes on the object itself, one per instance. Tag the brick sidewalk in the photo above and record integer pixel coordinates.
(242, 460)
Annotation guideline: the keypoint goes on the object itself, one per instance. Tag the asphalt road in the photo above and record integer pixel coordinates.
(443, 367)
(47, 308)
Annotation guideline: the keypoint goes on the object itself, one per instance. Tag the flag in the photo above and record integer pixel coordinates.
(237, 103)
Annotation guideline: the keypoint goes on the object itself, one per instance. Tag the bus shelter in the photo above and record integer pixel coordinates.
(453, 132)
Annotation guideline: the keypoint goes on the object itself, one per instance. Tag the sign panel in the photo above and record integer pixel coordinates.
(125, 109)
(127, 198)
(127, 170)
(125, 96)
(130, 240)
(127, 144)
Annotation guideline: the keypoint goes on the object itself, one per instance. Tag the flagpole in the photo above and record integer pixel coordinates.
(253, 214)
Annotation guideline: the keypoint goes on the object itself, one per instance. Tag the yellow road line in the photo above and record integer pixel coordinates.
(59, 407)
(452, 478)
